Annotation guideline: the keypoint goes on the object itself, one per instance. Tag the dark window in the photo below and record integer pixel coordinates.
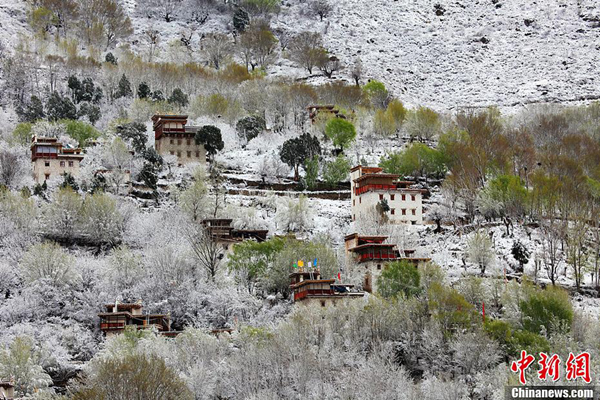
(62, 163)
(322, 303)
(70, 163)
(179, 141)
(354, 202)
(198, 154)
(189, 142)
(414, 222)
(393, 211)
(413, 197)
(178, 154)
(379, 266)
(189, 154)
(392, 197)
(380, 197)
(404, 211)
(360, 200)
(414, 212)
(47, 176)
(403, 197)
(171, 141)
(47, 163)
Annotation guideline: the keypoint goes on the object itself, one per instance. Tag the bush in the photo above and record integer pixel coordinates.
(450, 308)
(550, 308)
(399, 278)
(133, 376)
(311, 167)
(336, 171)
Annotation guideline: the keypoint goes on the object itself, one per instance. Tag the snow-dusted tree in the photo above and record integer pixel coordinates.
(63, 215)
(306, 49)
(357, 71)
(293, 215)
(21, 361)
(207, 252)
(321, 8)
(123, 269)
(102, 221)
(12, 165)
(193, 200)
(257, 45)
(479, 250)
(48, 261)
(133, 376)
(551, 241)
(576, 250)
(217, 49)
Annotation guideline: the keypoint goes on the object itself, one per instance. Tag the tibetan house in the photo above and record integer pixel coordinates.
(370, 186)
(172, 136)
(118, 316)
(51, 159)
(371, 253)
(308, 288)
(225, 234)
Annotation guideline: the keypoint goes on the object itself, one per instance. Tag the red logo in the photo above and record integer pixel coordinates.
(579, 367)
(522, 365)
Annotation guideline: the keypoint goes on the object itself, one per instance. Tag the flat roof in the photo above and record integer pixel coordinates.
(367, 245)
(372, 169)
(313, 281)
(352, 235)
(378, 175)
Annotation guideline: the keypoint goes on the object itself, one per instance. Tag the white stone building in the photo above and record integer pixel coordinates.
(370, 186)
(51, 159)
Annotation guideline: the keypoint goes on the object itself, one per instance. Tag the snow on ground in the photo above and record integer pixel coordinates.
(536, 51)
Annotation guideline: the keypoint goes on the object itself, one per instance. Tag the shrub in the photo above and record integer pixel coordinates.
(399, 278)
(336, 171)
(549, 308)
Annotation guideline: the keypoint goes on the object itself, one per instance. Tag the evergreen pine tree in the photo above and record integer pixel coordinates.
(124, 89)
(143, 91)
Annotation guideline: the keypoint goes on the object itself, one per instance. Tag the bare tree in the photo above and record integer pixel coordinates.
(205, 248)
(217, 48)
(284, 36)
(321, 8)
(357, 71)
(257, 45)
(550, 247)
(307, 49)
(153, 37)
(329, 64)
(11, 166)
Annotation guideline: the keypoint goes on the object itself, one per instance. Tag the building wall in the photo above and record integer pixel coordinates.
(366, 203)
(186, 153)
(318, 302)
(7, 393)
(51, 168)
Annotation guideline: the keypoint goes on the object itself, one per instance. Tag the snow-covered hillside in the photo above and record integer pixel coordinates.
(478, 53)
